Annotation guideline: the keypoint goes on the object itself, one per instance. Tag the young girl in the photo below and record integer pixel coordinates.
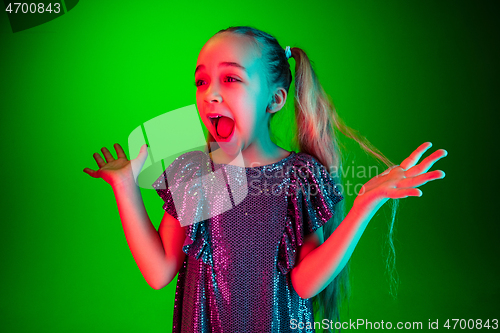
(258, 260)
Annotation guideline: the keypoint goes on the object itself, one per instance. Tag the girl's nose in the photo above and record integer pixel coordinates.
(213, 95)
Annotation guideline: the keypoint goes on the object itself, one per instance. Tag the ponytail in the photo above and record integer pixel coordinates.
(317, 123)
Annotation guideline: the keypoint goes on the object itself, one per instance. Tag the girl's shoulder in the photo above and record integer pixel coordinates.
(189, 161)
(181, 168)
(305, 158)
(191, 157)
(303, 161)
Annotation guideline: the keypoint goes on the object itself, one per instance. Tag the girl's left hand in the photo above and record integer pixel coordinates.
(401, 181)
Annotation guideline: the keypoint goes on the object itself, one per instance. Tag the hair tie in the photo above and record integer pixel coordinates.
(288, 52)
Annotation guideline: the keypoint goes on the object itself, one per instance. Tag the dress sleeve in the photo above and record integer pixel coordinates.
(175, 182)
(312, 196)
(182, 193)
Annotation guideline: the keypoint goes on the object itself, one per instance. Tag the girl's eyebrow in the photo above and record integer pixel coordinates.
(224, 63)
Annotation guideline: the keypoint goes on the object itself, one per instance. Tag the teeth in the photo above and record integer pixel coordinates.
(213, 118)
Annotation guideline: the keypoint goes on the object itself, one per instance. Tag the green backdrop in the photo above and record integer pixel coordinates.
(400, 72)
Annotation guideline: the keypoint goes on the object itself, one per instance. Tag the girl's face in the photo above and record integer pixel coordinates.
(231, 85)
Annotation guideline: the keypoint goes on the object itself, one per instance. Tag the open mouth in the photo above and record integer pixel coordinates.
(223, 125)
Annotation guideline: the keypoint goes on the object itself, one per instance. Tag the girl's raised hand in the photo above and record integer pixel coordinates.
(401, 181)
(119, 170)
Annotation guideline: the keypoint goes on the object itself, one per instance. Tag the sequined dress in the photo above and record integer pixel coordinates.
(235, 274)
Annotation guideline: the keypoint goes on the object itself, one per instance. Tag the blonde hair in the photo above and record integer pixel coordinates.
(317, 124)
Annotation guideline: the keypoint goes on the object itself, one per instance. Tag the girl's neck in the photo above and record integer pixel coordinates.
(251, 156)
(260, 151)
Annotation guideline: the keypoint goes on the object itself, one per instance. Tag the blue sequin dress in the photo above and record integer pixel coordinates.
(235, 274)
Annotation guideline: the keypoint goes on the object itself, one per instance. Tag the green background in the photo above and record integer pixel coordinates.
(400, 72)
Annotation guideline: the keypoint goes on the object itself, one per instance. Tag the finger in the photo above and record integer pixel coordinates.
(90, 172)
(421, 179)
(99, 160)
(426, 164)
(415, 156)
(400, 193)
(119, 151)
(107, 154)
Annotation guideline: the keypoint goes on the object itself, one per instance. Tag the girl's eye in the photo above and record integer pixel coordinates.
(231, 79)
(198, 83)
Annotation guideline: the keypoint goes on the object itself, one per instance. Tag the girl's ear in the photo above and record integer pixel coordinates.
(278, 100)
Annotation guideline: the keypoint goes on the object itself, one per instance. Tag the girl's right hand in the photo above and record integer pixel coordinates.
(402, 181)
(120, 170)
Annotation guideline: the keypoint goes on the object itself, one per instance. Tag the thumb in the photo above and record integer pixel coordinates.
(138, 162)
(143, 154)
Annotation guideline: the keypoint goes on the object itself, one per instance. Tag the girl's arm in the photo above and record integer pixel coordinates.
(319, 264)
(158, 254)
